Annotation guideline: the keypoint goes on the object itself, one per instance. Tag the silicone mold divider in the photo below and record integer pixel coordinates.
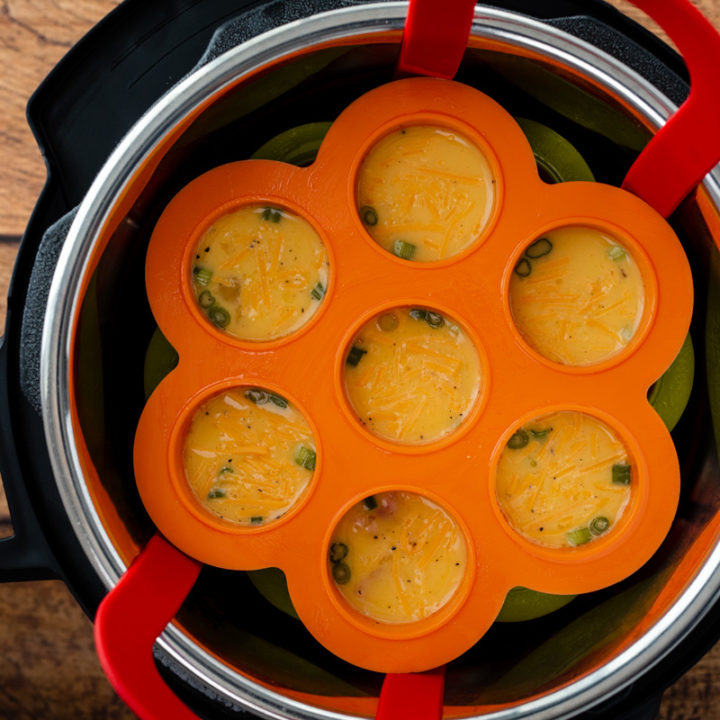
(457, 471)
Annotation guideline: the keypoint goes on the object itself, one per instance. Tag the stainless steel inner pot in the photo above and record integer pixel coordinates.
(204, 95)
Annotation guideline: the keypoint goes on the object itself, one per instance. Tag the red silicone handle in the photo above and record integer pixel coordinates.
(687, 147)
(146, 599)
(435, 37)
(129, 620)
(412, 696)
(136, 611)
(679, 155)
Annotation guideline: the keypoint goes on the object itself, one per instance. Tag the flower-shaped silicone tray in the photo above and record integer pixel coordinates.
(456, 472)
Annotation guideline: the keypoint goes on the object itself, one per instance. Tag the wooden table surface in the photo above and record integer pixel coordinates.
(48, 667)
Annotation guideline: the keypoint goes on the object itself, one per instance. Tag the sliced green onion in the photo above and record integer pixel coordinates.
(539, 248)
(540, 434)
(216, 493)
(206, 299)
(255, 519)
(261, 397)
(338, 552)
(225, 470)
(218, 316)
(202, 275)
(523, 268)
(271, 215)
(404, 250)
(579, 536)
(355, 355)
(387, 322)
(341, 573)
(621, 474)
(518, 439)
(305, 457)
(433, 319)
(370, 502)
(599, 525)
(318, 292)
(277, 400)
(369, 215)
(256, 395)
(617, 253)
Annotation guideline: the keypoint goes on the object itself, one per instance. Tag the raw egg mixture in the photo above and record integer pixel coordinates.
(412, 375)
(259, 273)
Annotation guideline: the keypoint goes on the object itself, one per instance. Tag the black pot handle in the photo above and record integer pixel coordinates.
(25, 555)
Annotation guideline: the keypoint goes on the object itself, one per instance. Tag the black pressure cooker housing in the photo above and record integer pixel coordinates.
(78, 115)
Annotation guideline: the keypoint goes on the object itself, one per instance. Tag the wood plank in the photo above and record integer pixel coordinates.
(34, 35)
(709, 8)
(696, 695)
(48, 667)
(8, 250)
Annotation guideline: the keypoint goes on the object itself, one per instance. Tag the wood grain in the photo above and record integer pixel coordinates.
(48, 667)
(34, 35)
(8, 249)
(709, 8)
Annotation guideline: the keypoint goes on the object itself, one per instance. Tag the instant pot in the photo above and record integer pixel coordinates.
(157, 94)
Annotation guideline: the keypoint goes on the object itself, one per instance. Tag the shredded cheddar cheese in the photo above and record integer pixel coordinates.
(240, 456)
(426, 186)
(397, 557)
(556, 477)
(254, 271)
(582, 302)
(415, 383)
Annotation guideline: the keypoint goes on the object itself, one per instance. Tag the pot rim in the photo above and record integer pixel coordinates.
(517, 30)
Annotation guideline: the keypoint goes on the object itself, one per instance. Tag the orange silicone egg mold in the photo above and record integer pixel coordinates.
(456, 473)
